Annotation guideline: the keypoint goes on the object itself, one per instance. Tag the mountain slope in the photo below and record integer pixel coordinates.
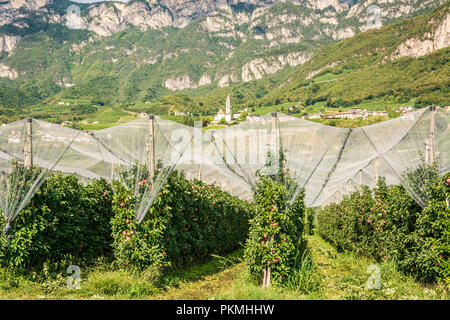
(145, 50)
(404, 61)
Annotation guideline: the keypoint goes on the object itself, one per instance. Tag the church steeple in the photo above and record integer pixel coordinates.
(228, 110)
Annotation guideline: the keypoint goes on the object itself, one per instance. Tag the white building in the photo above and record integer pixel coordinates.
(220, 115)
(228, 110)
(377, 113)
(225, 114)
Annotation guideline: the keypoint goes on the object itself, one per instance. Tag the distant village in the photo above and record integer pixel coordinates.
(352, 114)
(355, 113)
(226, 116)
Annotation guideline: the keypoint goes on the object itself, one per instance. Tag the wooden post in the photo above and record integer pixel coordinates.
(274, 120)
(264, 278)
(360, 178)
(275, 128)
(376, 169)
(235, 156)
(112, 172)
(151, 147)
(247, 149)
(269, 280)
(199, 173)
(28, 154)
(275, 147)
(224, 150)
(431, 155)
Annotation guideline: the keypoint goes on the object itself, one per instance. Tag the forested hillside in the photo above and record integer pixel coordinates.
(262, 55)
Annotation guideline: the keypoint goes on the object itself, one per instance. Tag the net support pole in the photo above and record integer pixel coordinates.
(376, 169)
(28, 159)
(247, 149)
(235, 149)
(224, 150)
(151, 147)
(275, 142)
(430, 149)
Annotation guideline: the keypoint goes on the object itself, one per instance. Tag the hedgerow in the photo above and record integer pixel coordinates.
(66, 221)
(69, 223)
(275, 240)
(387, 224)
(188, 221)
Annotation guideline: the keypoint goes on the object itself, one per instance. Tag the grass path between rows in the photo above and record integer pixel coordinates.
(341, 276)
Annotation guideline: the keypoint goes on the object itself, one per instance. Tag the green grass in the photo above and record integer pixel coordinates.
(344, 276)
(325, 77)
(372, 105)
(283, 108)
(329, 275)
(214, 127)
(98, 126)
(350, 123)
(110, 115)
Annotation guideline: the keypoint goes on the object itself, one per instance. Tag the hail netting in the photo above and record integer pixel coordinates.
(391, 149)
(142, 154)
(83, 158)
(244, 148)
(326, 162)
(29, 151)
(205, 159)
(311, 151)
(408, 143)
(254, 146)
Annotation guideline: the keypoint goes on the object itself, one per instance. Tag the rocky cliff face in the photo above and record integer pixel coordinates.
(416, 47)
(256, 69)
(7, 72)
(8, 42)
(13, 10)
(243, 40)
(107, 18)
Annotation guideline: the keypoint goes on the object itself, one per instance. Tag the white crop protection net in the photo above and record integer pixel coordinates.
(325, 162)
(142, 154)
(29, 150)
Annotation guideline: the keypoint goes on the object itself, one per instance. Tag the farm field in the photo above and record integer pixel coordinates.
(340, 277)
(105, 118)
(157, 151)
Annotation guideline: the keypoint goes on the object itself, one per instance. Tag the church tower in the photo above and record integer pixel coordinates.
(228, 110)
